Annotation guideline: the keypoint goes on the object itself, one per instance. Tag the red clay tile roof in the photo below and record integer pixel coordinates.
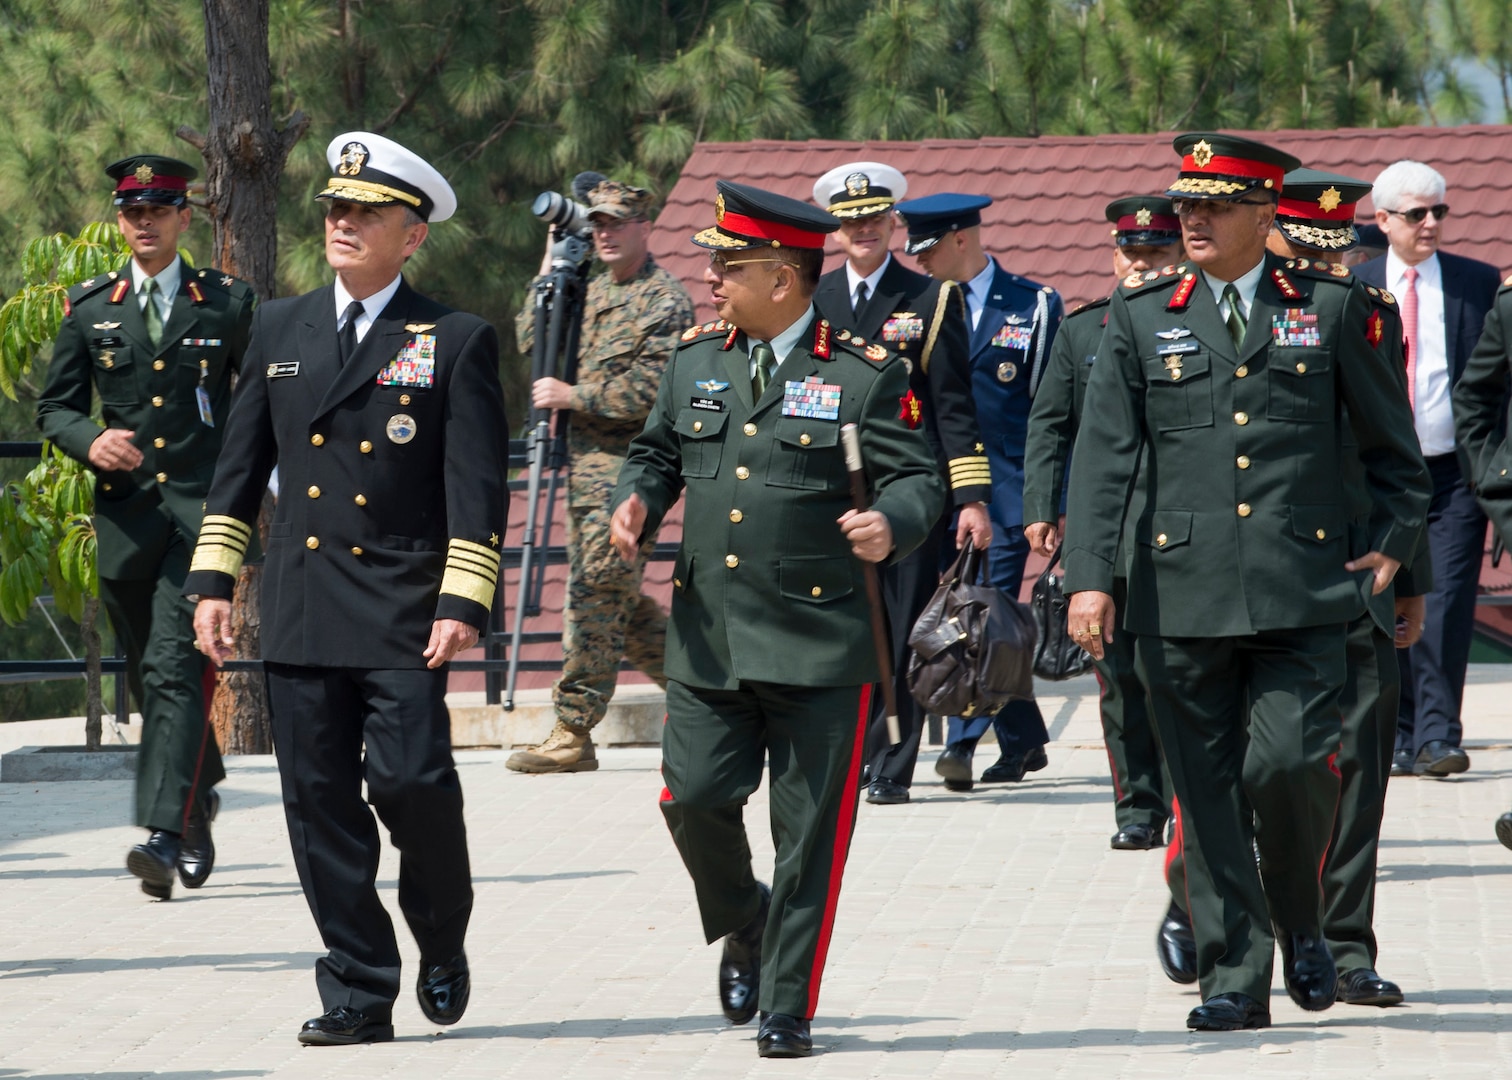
(1047, 221)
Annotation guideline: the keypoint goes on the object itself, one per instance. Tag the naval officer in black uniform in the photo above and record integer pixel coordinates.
(383, 412)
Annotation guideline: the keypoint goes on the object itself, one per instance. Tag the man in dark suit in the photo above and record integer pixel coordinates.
(383, 412)
(924, 322)
(1443, 300)
(1012, 321)
(160, 342)
(769, 645)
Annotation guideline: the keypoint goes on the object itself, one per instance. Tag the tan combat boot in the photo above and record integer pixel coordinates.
(563, 751)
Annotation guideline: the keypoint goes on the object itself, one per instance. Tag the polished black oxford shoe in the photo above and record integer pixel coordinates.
(1308, 969)
(783, 1036)
(345, 1026)
(443, 989)
(1136, 837)
(197, 851)
(1176, 946)
(1228, 1012)
(154, 862)
(1504, 829)
(1362, 986)
(1440, 758)
(1401, 763)
(740, 965)
(1011, 768)
(954, 766)
(886, 793)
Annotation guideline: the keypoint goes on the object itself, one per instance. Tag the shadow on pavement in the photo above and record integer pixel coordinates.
(41, 968)
(1409, 872)
(606, 1028)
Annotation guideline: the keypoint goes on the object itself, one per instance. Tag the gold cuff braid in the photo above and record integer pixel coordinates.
(472, 572)
(222, 545)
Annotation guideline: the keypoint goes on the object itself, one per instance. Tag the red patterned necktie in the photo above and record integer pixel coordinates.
(1409, 329)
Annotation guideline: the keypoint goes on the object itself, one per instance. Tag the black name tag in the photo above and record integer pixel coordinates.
(107, 342)
(707, 404)
(1178, 348)
(283, 370)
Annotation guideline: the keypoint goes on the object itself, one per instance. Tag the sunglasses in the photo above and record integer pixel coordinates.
(721, 265)
(1184, 207)
(1416, 215)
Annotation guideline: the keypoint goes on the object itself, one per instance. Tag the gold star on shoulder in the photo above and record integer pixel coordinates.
(1329, 200)
(493, 539)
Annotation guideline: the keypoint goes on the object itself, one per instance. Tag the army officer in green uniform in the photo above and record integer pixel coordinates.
(159, 342)
(769, 648)
(1228, 374)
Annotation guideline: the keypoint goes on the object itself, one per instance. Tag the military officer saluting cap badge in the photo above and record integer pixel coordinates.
(159, 343)
(769, 647)
(924, 321)
(1012, 323)
(1226, 379)
(383, 412)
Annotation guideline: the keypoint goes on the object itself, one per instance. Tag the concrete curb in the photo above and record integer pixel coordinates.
(32, 764)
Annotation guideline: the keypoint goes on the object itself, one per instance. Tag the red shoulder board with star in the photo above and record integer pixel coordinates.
(730, 338)
(1375, 328)
(196, 293)
(912, 411)
(67, 306)
(822, 339)
(118, 293)
(1283, 283)
(1183, 294)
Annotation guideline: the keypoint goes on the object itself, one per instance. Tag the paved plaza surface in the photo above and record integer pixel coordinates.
(989, 934)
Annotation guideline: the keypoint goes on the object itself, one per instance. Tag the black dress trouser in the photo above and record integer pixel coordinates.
(323, 721)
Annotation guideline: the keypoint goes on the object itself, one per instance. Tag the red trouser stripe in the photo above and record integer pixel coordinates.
(1333, 767)
(207, 686)
(666, 795)
(844, 826)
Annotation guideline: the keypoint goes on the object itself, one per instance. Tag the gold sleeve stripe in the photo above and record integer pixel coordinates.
(468, 585)
(222, 545)
(969, 471)
(229, 524)
(472, 572)
(479, 550)
(463, 561)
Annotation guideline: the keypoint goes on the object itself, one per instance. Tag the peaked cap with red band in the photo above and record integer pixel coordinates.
(1143, 220)
(1317, 210)
(1224, 167)
(148, 178)
(746, 217)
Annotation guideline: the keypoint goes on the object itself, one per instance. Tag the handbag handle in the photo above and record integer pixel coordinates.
(966, 566)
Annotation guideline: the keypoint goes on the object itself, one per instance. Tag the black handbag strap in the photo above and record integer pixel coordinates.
(1050, 566)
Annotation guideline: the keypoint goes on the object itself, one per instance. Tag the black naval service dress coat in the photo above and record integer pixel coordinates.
(769, 648)
(924, 322)
(175, 395)
(390, 515)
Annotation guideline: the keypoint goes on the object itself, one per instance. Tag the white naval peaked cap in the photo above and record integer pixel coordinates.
(859, 188)
(368, 168)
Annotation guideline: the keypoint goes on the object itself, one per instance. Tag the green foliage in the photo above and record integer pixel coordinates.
(47, 538)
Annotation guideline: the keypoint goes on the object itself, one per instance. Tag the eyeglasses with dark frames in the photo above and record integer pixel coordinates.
(1417, 214)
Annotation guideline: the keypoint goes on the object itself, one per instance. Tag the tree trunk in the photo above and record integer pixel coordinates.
(244, 158)
(94, 705)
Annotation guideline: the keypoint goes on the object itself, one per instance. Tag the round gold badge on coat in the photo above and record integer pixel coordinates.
(1007, 371)
(400, 428)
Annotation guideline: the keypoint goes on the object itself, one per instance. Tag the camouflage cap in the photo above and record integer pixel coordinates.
(621, 201)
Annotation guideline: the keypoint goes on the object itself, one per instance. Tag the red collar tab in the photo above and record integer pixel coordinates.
(822, 339)
(1183, 294)
(749, 228)
(122, 287)
(196, 293)
(1283, 283)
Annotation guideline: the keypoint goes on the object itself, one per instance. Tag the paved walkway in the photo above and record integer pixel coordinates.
(984, 935)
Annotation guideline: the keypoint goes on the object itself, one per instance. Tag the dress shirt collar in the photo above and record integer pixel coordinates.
(1430, 272)
(167, 278)
(978, 287)
(1247, 285)
(372, 306)
(786, 341)
(871, 279)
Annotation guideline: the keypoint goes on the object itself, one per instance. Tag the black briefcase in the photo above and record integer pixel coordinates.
(1057, 655)
(972, 647)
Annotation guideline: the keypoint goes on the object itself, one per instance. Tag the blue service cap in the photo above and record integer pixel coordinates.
(930, 218)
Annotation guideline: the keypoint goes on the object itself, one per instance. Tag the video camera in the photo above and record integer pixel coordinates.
(569, 219)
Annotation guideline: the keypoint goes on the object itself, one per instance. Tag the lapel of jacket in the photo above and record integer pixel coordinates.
(133, 325)
(383, 340)
(316, 342)
(831, 300)
(1202, 318)
(1268, 304)
(800, 364)
(1454, 313)
(881, 304)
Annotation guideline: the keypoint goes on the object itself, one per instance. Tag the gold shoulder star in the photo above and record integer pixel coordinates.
(493, 539)
(1329, 200)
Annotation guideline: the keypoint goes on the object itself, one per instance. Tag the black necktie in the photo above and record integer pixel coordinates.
(762, 355)
(860, 299)
(346, 341)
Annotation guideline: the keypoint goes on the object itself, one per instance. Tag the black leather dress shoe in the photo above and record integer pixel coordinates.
(1401, 763)
(783, 1036)
(1010, 769)
(197, 851)
(443, 989)
(1228, 1012)
(886, 793)
(954, 765)
(1504, 829)
(740, 965)
(1308, 969)
(154, 861)
(1362, 986)
(1137, 837)
(344, 1026)
(1176, 946)
(1440, 758)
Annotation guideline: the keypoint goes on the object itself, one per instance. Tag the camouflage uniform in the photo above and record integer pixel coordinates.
(629, 332)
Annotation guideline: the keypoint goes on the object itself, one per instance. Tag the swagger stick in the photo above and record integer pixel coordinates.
(850, 439)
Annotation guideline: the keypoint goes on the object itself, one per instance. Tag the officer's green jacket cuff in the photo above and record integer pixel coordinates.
(1087, 572)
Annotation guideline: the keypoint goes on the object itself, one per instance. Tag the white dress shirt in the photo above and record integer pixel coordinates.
(372, 307)
(1246, 286)
(167, 279)
(1432, 414)
(854, 279)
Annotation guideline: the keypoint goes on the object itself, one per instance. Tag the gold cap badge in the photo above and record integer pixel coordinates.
(144, 174)
(1329, 200)
(719, 210)
(1202, 153)
(1143, 217)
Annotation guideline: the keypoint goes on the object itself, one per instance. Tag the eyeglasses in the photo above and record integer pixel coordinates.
(1416, 215)
(1185, 207)
(721, 265)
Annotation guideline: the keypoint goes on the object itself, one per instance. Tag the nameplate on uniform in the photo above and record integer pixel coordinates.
(904, 326)
(107, 342)
(707, 404)
(813, 398)
(1012, 336)
(202, 342)
(1177, 348)
(1296, 327)
(414, 366)
(283, 370)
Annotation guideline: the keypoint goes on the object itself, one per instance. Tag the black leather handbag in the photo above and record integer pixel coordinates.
(972, 647)
(1057, 656)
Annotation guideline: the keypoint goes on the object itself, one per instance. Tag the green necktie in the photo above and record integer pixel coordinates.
(763, 356)
(1236, 323)
(151, 313)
